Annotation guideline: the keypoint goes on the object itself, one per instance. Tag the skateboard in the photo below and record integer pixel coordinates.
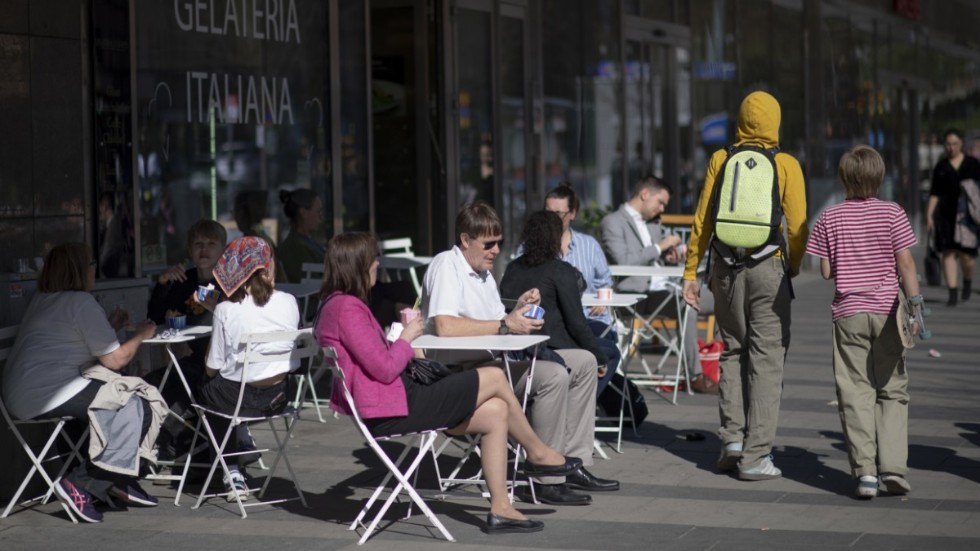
(910, 316)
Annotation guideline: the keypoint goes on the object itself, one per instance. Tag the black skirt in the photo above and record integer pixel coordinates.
(445, 404)
(945, 227)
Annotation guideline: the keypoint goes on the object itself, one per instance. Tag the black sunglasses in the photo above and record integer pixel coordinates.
(487, 245)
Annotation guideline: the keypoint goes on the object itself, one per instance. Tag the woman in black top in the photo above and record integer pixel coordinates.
(941, 211)
(560, 284)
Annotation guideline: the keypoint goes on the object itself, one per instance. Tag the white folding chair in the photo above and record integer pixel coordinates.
(402, 246)
(670, 332)
(307, 378)
(310, 374)
(302, 347)
(401, 469)
(42, 457)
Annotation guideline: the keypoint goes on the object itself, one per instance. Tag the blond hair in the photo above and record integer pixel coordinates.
(861, 171)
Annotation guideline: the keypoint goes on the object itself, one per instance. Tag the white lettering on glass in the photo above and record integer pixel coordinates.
(273, 20)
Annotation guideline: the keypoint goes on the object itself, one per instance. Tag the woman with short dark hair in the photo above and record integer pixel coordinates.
(64, 333)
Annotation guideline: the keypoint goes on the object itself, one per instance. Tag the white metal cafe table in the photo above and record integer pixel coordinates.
(494, 345)
(167, 339)
(617, 305)
(674, 342)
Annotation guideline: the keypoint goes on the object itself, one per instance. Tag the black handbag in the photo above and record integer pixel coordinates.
(425, 371)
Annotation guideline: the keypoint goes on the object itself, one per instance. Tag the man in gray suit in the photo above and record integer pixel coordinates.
(633, 235)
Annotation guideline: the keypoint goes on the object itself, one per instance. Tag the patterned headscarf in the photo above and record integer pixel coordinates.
(242, 258)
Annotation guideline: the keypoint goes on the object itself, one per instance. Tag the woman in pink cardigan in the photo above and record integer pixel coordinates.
(476, 401)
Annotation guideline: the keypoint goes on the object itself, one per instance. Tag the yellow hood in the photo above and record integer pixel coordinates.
(758, 120)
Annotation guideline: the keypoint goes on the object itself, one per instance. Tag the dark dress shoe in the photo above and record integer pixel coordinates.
(570, 464)
(704, 385)
(582, 479)
(504, 525)
(559, 494)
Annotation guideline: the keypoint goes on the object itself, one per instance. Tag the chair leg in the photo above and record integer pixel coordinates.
(37, 466)
(403, 484)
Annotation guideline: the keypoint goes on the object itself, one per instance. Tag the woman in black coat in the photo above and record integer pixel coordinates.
(944, 197)
(560, 284)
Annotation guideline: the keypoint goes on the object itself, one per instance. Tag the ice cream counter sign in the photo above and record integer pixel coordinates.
(239, 98)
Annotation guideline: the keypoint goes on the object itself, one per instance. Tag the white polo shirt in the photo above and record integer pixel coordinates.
(452, 288)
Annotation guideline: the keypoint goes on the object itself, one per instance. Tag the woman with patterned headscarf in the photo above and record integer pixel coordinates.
(246, 274)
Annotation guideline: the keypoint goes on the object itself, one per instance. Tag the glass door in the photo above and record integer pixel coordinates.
(491, 149)
(656, 137)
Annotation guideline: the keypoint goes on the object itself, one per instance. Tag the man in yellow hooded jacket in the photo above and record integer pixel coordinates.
(752, 303)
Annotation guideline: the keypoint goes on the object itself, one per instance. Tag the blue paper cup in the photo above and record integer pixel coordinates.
(177, 322)
(203, 293)
(534, 312)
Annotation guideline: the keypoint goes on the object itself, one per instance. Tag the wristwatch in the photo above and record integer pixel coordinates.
(503, 328)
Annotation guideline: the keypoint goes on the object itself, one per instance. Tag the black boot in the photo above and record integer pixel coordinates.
(953, 296)
(967, 289)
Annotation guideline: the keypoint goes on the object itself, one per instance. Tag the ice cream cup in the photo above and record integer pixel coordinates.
(177, 322)
(534, 312)
(203, 293)
(408, 314)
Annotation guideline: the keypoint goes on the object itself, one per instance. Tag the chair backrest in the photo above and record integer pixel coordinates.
(7, 337)
(304, 348)
(330, 360)
(401, 246)
(313, 270)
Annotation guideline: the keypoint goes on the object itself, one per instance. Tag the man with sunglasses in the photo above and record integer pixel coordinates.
(460, 298)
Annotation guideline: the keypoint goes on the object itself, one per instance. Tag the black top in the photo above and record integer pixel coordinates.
(561, 298)
(176, 295)
(946, 184)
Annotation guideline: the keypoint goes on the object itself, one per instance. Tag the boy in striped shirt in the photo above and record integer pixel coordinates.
(863, 245)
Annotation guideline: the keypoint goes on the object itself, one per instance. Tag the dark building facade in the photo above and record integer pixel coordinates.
(122, 121)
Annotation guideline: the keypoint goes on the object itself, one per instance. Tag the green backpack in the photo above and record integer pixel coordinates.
(747, 207)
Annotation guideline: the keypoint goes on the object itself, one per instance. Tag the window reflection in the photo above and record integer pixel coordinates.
(231, 110)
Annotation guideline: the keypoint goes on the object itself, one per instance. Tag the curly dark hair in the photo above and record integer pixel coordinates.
(541, 237)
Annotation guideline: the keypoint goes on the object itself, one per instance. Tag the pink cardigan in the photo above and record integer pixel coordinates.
(370, 363)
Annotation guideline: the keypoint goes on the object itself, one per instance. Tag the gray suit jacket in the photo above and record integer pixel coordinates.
(623, 245)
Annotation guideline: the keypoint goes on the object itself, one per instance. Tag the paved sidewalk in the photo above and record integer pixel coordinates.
(671, 498)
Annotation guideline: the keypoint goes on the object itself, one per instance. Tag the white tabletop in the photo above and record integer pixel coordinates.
(658, 271)
(618, 299)
(483, 342)
(189, 333)
(399, 262)
(300, 290)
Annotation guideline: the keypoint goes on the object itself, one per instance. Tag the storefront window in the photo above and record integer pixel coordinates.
(232, 106)
(354, 96)
(582, 110)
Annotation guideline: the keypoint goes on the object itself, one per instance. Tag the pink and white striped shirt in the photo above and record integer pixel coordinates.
(861, 237)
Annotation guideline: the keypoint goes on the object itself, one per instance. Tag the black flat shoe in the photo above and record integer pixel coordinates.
(504, 525)
(570, 465)
(581, 479)
(558, 494)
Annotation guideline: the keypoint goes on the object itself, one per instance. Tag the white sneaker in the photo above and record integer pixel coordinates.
(896, 484)
(867, 487)
(765, 470)
(730, 454)
(235, 487)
